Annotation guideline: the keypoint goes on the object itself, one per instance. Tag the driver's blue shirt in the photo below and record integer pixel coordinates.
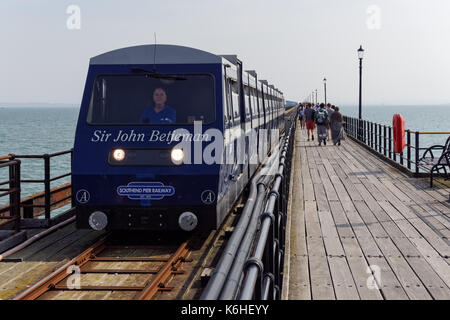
(166, 115)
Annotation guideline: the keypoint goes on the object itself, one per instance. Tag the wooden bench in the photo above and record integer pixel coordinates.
(430, 163)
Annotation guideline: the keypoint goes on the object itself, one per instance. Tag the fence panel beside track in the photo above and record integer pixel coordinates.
(251, 264)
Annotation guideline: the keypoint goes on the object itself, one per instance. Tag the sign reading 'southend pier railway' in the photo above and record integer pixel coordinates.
(145, 190)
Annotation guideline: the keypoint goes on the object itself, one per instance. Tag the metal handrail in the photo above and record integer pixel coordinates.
(263, 280)
(47, 178)
(226, 281)
(13, 191)
(379, 138)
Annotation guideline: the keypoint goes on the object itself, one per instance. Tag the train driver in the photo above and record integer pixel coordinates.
(160, 112)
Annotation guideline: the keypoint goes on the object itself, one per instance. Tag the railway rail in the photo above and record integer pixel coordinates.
(137, 272)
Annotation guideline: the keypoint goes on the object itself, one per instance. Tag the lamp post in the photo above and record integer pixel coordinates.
(325, 89)
(316, 96)
(360, 56)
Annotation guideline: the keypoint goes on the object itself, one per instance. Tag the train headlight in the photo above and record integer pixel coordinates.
(98, 220)
(187, 221)
(177, 155)
(119, 154)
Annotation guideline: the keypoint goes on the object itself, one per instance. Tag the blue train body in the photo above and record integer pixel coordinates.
(125, 174)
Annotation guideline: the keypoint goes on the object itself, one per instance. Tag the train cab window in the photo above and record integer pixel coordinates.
(146, 99)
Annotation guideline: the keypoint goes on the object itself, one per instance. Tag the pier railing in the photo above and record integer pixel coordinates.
(379, 138)
(27, 209)
(11, 188)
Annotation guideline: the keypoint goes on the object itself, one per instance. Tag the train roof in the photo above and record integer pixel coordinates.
(165, 54)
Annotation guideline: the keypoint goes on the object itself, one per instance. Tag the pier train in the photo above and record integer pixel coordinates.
(128, 172)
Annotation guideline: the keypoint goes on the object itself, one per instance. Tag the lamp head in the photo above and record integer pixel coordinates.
(360, 52)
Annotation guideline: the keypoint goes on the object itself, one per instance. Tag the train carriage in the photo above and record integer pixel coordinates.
(151, 121)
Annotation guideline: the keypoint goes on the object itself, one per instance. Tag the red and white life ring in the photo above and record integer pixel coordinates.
(398, 128)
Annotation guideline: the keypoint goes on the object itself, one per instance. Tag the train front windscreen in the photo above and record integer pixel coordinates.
(152, 99)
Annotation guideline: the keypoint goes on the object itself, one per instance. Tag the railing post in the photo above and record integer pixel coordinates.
(379, 138)
(47, 185)
(371, 135)
(384, 140)
(376, 137)
(360, 131)
(394, 155)
(389, 142)
(408, 154)
(366, 135)
(14, 196)
(351, 127)
(417, 153)
(71, 170)
(363, 131)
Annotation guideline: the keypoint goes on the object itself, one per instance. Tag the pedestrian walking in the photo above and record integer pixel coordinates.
(330, 112)
(321, 117)
(309, 119)
(302, 117)
(337, 130)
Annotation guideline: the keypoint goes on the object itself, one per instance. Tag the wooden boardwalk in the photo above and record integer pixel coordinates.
(354, 221)
(42, 258)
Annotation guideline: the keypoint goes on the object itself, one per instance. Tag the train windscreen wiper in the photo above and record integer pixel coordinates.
(154, 74)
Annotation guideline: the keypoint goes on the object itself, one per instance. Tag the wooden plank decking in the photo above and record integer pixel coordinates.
(42, 258)
(351, 216)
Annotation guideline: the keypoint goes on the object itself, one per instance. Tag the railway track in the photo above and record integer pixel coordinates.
(108, 271)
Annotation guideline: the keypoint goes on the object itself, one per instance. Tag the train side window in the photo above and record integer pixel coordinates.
(254, 103)
(235, 100)
(227, 107)
(247, 103)
(260, 101)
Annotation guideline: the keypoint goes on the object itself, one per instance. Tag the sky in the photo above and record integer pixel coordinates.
(45, 46)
